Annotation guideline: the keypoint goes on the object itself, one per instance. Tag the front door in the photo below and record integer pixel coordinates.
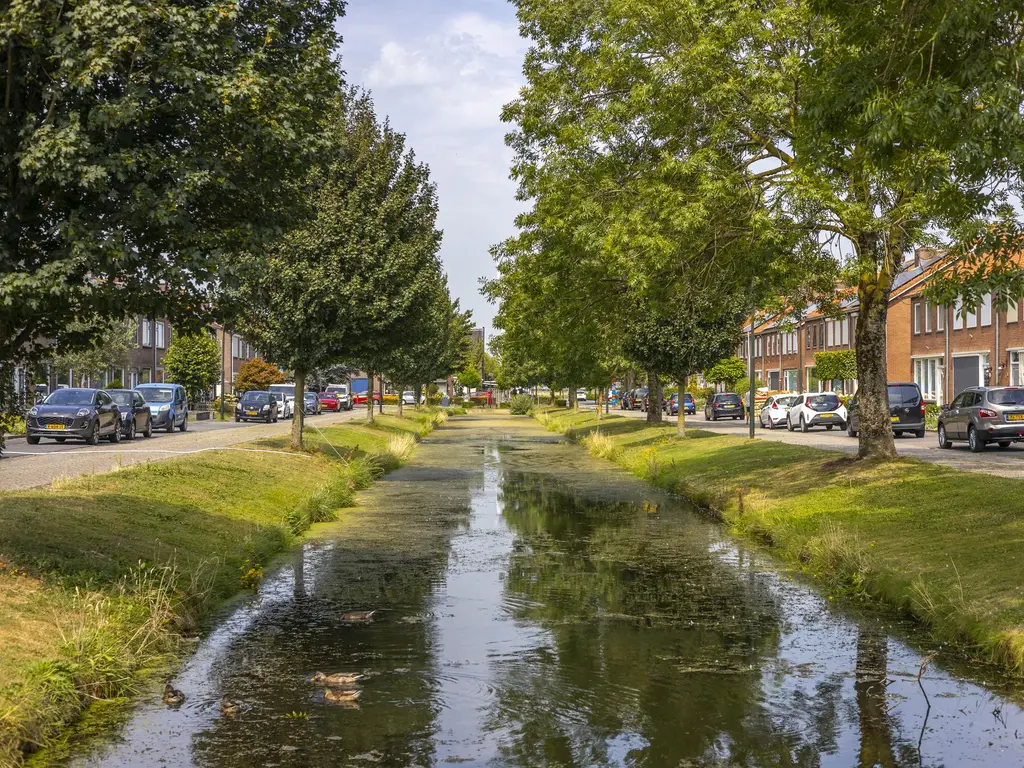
(966, 372)
(773, 380)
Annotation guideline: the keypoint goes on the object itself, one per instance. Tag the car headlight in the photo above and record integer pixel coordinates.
(166, 407)
(83, 412)
(266, 407)
(33, 411)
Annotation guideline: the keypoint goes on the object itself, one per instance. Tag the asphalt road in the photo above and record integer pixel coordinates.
(994, 461)
(28, 466)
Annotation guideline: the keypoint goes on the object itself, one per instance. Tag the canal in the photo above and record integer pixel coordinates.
(537, 607)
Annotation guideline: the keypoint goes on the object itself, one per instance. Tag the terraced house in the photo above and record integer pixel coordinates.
(943, 349)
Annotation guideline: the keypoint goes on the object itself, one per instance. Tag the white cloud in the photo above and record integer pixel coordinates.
(442, 72)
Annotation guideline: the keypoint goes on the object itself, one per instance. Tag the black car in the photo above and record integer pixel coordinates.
(724, 405)
(85, 414)
(906, 410)
(135, 415)
(257, 405)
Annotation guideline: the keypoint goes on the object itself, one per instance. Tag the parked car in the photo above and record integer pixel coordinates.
(816, 409)
(257, 405)
(672, 404)
(581, 395)
(168, 405)
(638, 398)
(409, 398)
(775, 410)
(906, 410)
(724, 405)
(340, 391)
(135, 415)
(359, 398)
(982, 415)
(87, 414)
(329, 401)
(624, 400)
(285, 395)
(311, 404)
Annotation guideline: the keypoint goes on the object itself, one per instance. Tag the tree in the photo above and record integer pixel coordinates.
(729, 371)
(193, 360)
(257, 374)
(346, 284)
(860, 127)
(841, 364)
(138, 142)
(469, 377)
(111, 344)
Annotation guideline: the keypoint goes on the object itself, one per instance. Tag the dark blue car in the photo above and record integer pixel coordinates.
(168, 405)
(84, 414)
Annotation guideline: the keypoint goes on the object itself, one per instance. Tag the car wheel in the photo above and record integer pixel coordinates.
(115, 436)
(919, 433)
(149, 428)
(184, 423)
(803, 423)
(897, 434)
(93, 436)
(130, 434)
(789, 424)
(828, 427)
(850, 431)
(975, 441)
(237, 419)
(34, 440)
(944, 442)
(170, 425)
(1004, 444)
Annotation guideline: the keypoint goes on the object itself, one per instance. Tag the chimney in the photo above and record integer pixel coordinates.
(924, 256)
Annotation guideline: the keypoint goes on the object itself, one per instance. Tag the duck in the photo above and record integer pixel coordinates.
(358, 617)
(337, 696)
(229, 707)
(338, 679)
(173, 697)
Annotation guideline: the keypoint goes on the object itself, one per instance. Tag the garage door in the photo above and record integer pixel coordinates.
(966, 373)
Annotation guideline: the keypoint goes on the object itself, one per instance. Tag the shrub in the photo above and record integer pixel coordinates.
(390, 399)
(520, 405)
(601, 446)
(11, 424)
(560, 403)
(401, 446)
(257, 374)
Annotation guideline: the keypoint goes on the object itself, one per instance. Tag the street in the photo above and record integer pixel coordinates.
(993, 461)
(28, 466)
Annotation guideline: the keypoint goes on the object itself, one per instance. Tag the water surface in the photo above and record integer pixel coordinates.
(538, 607)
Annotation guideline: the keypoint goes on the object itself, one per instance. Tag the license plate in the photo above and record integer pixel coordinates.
(55, 426)
(1015, 417)
(251, 413)
(894, 418)
(826, 416)
(728, 406)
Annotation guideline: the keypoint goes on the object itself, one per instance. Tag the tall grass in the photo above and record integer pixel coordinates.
(601, 446)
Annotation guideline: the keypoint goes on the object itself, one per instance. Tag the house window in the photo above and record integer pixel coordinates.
(972, 318)
(917, 317)
(1011, 311)
(792, 376)
(146, 376)
(958, 315)
(808, 332)
(940, 318)
(160, 343)
(928, 376)
(927, 317)
(147, 333)
(986, 310)
(1016, 374)
(846, 331)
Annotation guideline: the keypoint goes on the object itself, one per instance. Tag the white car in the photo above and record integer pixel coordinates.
(285, 394)
(408, 398)
(340, 391)
(816, 409)
(775, 409)
(581, 395)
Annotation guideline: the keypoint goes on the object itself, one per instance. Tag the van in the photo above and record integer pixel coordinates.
(906, 410)
(340, 391)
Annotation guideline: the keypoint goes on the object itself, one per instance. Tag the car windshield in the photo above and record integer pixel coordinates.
(823, 402)
(71, 397)
(309, 396)
(687, 398)
(122, 397)
(789, 401)
(256, 397)
(641, 392)
(337, 390)
(727, 398)
(284, 389)
(1006, 397)
(903, 394)
(155, 395)
(327, 395)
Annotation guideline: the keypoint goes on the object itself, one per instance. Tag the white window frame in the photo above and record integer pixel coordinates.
(1012, 311)
(958, 315)
(915, 311)
(846, 331)
(985, 311)
(147, 333)
(927, 317)
(928, 373)
(940, 318)
(161, 342)
(1016, 367)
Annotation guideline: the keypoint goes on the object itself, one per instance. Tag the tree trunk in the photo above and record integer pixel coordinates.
(572, 399)
(876, 440)
(400, 411)
(654, 398)
(369, 397)
(299, 413)
(600, 398)
(681, 422)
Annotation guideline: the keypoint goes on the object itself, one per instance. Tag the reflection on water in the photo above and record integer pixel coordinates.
(538, 608)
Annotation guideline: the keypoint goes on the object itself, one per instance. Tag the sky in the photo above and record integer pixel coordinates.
(441, 70)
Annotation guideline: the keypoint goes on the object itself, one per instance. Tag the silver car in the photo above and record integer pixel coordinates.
(982, 415)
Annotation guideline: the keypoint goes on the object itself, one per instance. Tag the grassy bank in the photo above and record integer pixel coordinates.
(105, 577)
(941, 545)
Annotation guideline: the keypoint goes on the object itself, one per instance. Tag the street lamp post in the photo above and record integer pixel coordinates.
(750, 371)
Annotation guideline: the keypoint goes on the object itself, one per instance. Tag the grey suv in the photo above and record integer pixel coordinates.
(983, 415)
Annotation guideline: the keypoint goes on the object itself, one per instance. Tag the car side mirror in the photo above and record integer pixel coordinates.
(944, 406)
